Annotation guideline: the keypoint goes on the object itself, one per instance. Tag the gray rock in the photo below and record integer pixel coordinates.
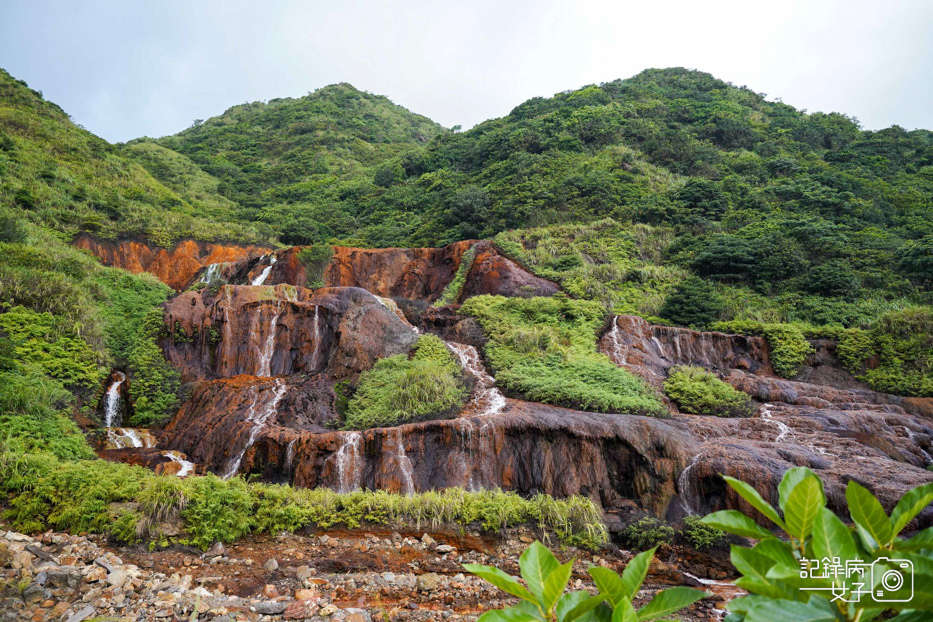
(302, 573)
(33, 594)
(269, 608)
(82, 615)
(271, 565)
(116, 578)
(64, 576)
(103, 563)
(427, 540)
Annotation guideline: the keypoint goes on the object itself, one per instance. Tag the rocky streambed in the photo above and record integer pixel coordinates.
(358, 576)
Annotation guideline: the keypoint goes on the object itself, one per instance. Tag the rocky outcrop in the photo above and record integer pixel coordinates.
(649, 350)
(281, 330)
(883, 448)
(175, 267)
(492, 273)
(528, 447)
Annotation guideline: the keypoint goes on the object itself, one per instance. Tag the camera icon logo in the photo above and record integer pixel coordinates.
(892, 580)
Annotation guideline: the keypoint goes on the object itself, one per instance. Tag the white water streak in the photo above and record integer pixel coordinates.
(259, 280)
(112, 402)
(258, 422)
(486, 399)
(348, 462)
(268, 349)
(187, 468)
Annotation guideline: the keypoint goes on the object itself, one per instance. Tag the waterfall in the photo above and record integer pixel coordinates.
(268, 349)
(783, 429)
(258, 422)
(259, 280)
(486, 398)
(683, 486)
(186, 467)
(404, 463)
(316, 326)
(129, 437)
(112, 402)
(290, 454)
(210, 273)
(615, 340)
(348, 463)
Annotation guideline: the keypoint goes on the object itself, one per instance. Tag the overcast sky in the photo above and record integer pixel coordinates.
(144, 67)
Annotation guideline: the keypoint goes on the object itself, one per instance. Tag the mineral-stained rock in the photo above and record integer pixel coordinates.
(649, 350)
(492, 273)
(528, 448)
(175, 267)
(273, 331)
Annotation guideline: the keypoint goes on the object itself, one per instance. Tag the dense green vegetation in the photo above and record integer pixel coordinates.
(544, 599)
(809, 532)
(545, 350)
(401, 389)
(699, 392)
(46, 492)
(451, 293)
(58, 175)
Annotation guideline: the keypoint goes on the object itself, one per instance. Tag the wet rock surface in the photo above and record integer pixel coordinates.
(280, 330)
(176, 267)
(358, 576)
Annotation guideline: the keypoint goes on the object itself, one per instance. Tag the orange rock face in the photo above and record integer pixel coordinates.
(175, 267)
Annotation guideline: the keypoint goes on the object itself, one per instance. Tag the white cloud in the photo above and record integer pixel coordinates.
(148, 68)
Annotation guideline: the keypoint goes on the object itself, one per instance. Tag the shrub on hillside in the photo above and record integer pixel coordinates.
(647, 532)
(787, 345)
(399, 389)
(698, 392)
(694, 303)
(315, 260)
(545, 350)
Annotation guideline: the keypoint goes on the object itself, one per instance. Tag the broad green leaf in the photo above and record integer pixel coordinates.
(636, 571)
(790, 480)
(602, 613)
(610, 584)
(871, 521)
(776, 610)
(510, 614)
(554, 585)
(734, 522)
(501, 580)
(911, 616)
(536, 563)
(910, 505)
(669, 601)
(919, 595)
(743, 603)
(755, 499)
(575, 605)
(831, 538)
(920, 541)
(624, 612)
(751, 563)
(778, 550)
(802, 505)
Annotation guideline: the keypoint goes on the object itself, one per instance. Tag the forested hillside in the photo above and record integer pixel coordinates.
(671, 195)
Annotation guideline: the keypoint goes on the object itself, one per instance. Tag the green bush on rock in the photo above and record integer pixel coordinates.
(399, 389)
(699, 392)
(545, 350)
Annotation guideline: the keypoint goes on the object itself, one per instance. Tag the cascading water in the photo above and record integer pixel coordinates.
(211, 273)
(290, 454)
(268, 348)
(783, 429)
(187, 468)
(486, 398)
(258, 421)
(112, 402)
(348, 464)
(404, 464)
(316, 326)
(687, 498)
(259, 280)
(120, 438)
(617, 351)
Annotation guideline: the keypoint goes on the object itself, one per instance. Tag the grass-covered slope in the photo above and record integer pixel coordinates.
(63, 177)
(544, 349)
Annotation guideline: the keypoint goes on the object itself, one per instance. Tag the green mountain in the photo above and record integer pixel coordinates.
(65, 178)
